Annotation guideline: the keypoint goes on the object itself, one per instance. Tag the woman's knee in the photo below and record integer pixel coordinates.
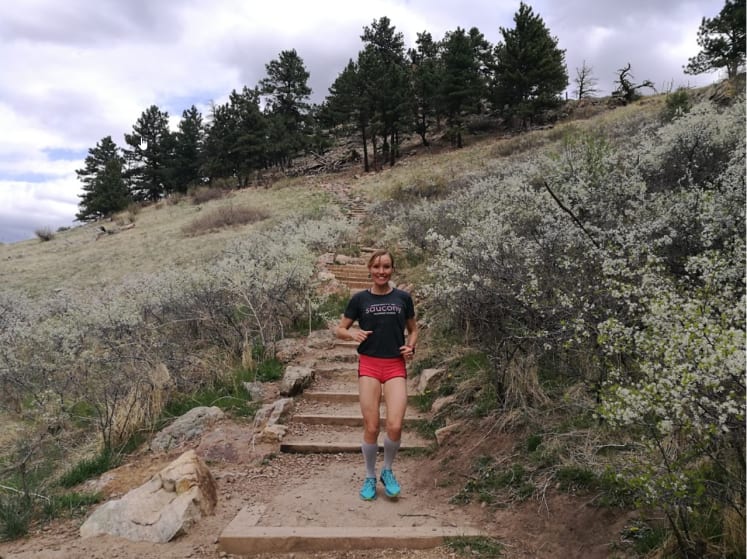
(394, 430)
(371, 427)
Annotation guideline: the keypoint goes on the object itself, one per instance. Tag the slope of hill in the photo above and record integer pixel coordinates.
(457, 482)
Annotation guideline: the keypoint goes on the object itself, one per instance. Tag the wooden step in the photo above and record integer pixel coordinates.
(316, 412)
(324, 439)
(350, 395)
(239, 539)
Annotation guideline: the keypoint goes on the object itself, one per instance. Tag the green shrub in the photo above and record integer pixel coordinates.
(677, 104)
(89, 468)
(488, 481)
(475, 547)
(70, 504)
(16, 513)
(573, 478)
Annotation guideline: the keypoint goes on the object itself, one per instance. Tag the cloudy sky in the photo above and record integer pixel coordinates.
(73, 72)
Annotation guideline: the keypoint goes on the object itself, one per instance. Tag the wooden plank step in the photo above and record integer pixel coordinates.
(239, 539)
(333, 440)
(343, 395)
(351, 420)
(304, 406)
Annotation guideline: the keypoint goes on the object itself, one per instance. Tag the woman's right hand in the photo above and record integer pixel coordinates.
(360, 336)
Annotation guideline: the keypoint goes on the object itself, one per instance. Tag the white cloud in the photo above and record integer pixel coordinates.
(79, 70)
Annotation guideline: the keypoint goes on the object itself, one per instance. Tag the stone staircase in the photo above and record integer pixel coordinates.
(326, 422)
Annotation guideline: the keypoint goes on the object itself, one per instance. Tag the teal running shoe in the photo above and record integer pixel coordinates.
(368, 491)
(391, 487)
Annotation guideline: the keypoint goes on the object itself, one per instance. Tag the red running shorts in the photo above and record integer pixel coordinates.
(381, 368)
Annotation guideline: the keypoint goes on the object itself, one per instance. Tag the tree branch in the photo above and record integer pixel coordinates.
(570, 213)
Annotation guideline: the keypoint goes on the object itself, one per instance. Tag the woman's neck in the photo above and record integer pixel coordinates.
(380, 290)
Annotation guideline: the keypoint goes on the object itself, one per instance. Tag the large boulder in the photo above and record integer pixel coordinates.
(287, 349)
(190, 425)
(429, 379)
(164, 507)
(296, 379)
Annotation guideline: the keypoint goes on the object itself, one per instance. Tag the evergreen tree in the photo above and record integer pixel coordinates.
(235, 145)
(220, 135)
(722, 40)
(288, 106)
(386, 83)
(462, 85)
(427, 74)
(530, 71)
(188, 146)
(104, 189)
(347, 105)
(150, 156)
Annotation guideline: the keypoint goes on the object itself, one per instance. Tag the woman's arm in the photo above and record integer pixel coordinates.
(412, 334)
(344, 333)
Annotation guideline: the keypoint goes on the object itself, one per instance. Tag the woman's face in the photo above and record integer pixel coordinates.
(381, 270)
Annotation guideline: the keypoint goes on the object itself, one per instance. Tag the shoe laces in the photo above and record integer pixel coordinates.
(388, 477)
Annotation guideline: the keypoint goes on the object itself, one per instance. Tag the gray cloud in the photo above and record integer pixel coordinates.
(76, 71)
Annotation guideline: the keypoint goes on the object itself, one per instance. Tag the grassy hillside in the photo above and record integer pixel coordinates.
(575, 281)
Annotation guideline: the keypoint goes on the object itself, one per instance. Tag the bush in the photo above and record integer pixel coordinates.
(203, 194)
(89, 468)
(44, 234)
(228, 216)
(676, 104)
(16, 513)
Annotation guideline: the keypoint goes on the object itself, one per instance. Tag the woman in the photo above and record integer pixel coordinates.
(383, 313)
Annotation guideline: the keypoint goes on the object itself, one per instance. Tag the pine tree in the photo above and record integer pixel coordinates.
(348, 106)
(462, 85)
(722, 40)
(386, 83)
(427, 74)
(104, 189)
(188, 146)
(150, 156)
(236, 140)
(530, 71)
(288, 106)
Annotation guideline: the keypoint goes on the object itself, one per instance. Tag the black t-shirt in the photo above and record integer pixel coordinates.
(385, 316)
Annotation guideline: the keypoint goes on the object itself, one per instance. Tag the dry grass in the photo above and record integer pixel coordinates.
(227, 216)
(205, 194)
(77, 261)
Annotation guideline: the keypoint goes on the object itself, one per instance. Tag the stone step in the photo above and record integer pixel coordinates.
(239, 539)
(324, 439)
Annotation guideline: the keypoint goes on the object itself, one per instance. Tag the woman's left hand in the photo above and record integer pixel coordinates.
(407, 351)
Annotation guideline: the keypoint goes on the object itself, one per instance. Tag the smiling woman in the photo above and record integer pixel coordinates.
(383, 314)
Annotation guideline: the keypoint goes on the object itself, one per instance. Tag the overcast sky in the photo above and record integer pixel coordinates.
(74, 71)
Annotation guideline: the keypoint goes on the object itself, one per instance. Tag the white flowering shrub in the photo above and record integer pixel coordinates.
(622, 248)
(109, 359)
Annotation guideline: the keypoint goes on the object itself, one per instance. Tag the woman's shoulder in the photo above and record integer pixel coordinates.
(401, 293)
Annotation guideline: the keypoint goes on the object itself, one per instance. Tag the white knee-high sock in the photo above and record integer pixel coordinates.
(390, 452)
(369, 455)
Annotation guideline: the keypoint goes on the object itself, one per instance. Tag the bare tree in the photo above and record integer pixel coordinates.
(585, 82)
(626, 89)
